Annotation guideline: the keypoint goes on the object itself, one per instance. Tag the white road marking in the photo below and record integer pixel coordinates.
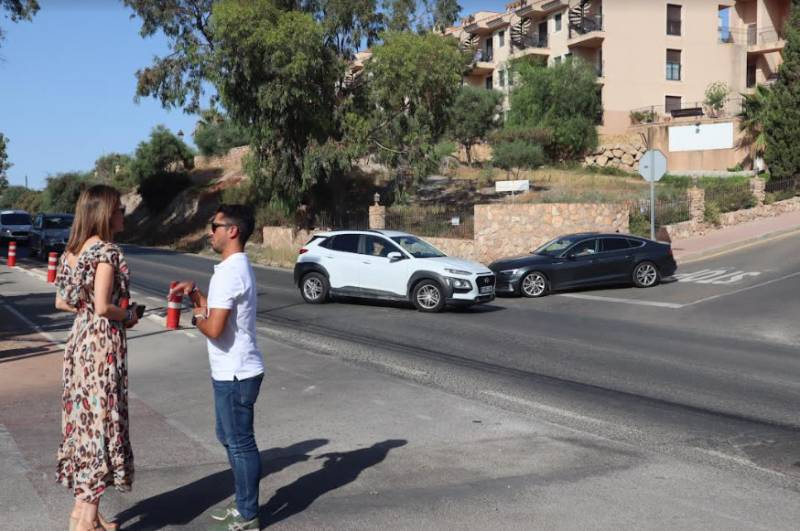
(734, 292)
(716, 276)
(190, 334)
(542, 407)
(671, 305)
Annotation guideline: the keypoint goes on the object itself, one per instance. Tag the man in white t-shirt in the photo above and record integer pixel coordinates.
(227, 317)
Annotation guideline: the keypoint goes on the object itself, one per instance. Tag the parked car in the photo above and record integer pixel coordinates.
(389, 265)
(586, 259)
(50, 232)
(14, 225)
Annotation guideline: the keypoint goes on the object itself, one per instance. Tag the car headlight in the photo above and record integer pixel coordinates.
(458, 272)
(509, 272)
(459, 283)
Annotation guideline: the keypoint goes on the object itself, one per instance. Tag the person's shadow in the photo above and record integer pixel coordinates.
(339, 469)
(181, 506)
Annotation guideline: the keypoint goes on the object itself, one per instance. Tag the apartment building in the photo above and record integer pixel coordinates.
(653, 55)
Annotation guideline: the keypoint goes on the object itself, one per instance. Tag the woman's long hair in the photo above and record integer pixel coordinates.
(93, 215)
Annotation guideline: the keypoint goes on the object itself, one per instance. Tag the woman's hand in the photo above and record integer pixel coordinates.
(130, 323)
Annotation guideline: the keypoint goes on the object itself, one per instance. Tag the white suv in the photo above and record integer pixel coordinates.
(388, 265)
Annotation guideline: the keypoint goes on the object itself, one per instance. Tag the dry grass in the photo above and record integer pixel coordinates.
(272, 256)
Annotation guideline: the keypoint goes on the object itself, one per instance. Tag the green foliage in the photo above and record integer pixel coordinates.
(564, 99)
(18, 10)
(159, 167)
(62, 191)
(445, 14)
(218, 137)
(711, 213)
(474, 114)
(160, 189)
(275, 73)
(4, 164)
(348, 23)
(666, 214)
(782, 116)
(716, 97)
(413, 82)
(19, 197)
(115, 169)
(643, 117)
(751, 122)
(400, 14)
(516, 155)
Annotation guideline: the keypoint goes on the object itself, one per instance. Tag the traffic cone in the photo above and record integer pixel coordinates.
(12, 254)
(174, 309)
(52, 258)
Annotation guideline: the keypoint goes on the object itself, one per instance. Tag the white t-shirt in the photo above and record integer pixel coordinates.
(235, 352)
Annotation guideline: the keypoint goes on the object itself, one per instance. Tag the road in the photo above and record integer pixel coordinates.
(706, 366)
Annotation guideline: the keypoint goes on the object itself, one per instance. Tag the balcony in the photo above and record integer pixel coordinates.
(531, 45)
(763, 40)
(586, 31)
(482, 63)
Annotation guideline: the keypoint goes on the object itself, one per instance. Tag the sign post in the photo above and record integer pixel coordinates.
(653, 166)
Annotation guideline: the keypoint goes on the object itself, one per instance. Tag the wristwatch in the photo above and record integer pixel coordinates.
(197, 317)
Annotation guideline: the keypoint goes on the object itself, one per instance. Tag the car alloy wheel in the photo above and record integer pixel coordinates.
(645, 275)
(533, 284)
(428, 296)
(315, 288)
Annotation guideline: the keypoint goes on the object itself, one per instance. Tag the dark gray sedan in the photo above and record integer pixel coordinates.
(50, 232)
(585, 259)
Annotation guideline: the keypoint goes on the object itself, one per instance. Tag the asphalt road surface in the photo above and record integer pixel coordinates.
(706, 365)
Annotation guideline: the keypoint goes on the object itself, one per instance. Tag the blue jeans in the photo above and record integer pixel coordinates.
(233, 402)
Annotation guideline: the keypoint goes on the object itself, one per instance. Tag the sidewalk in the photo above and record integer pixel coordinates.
(347, 446)
(732, 238)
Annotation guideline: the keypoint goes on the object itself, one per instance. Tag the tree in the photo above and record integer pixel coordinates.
(177, 79)
(115, 169)
(159, 167)
(782, 116)
(445, 14)
(401, 14)
(716, 97)
(751, 123)
(515, 149)
(275, 74)
(413, 81)
(62, 191)
(18, 10)
(349, 23)
(475, 114)
(563, 99)
(4, 164)
(216, 135)
(21, 198)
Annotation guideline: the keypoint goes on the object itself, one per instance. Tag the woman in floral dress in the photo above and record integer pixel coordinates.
(95, 451)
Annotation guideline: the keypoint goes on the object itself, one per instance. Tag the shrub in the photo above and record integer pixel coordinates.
(711, 213)
(517, 155)
(115, 169)
(159, 167)
(219, 137)
(160, 189)
(716, 97)
(62, 191)
(19, 197)
(643, 117)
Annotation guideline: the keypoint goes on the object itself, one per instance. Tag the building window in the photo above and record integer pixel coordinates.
(674, 65)
(502, 80)
(501, 39)
(751, 75)
(489, 83)
(672, 103)
(673, 19)
(558, 22)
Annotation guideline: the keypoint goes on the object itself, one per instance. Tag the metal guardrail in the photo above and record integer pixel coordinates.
(656, 114)
(433, 221)
(585, 25)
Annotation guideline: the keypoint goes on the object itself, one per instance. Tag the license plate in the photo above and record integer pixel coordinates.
(486, 289)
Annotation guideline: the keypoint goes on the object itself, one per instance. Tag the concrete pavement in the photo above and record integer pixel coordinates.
(346, 446)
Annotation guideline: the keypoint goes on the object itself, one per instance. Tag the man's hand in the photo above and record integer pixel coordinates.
(183, 287)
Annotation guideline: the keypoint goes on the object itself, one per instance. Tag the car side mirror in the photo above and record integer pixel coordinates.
(394, 256)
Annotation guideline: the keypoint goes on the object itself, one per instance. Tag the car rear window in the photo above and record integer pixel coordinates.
(613, 244)
(15, 219)
(346, 243)
(635, 243)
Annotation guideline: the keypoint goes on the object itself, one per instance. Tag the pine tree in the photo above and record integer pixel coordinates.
(782, 120)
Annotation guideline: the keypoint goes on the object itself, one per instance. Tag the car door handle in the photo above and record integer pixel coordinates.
(365, 262)
(329, 257)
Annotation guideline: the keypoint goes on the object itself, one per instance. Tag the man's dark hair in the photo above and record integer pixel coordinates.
(241, 216)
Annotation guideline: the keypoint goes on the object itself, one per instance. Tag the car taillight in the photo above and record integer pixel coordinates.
(303, 251)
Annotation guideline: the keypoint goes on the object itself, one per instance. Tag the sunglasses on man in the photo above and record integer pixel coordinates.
(215, 225)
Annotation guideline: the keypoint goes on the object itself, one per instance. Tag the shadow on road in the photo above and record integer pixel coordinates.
(339, 469)
(181, 506)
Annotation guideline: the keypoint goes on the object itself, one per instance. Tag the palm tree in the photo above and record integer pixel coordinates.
(751, 123)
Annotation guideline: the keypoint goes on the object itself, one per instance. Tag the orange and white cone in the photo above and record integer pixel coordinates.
(174, 309)
(12, 254)
(52, 259)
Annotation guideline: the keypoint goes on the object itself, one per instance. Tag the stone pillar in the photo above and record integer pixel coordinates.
(377, 214)
(758, 189)
(697, 203)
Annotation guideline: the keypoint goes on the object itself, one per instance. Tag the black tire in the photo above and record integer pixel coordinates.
(428, 296)
(646, 275)
(314, 288)
(534, 285)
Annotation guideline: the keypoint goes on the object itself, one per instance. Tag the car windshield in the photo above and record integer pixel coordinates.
(15, 219)
(554, 247)
(418, 248)
(58, 222)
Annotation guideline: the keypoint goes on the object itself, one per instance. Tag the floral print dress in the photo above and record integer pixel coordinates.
(95, 450)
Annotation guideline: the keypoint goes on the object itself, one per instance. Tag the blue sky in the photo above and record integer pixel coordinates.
(67, 84)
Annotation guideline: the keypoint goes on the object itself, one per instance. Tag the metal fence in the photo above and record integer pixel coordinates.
(729, 197)
(656, 114)
(341, 220)
(433, 221)
(668, 211)
(780, 189)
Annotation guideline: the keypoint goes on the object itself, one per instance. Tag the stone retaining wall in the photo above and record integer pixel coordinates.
(623, 156)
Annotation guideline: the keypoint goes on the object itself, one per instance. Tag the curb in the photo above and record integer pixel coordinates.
(736, 246)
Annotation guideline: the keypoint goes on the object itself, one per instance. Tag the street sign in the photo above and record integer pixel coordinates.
(512, 186)
(653, 165)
